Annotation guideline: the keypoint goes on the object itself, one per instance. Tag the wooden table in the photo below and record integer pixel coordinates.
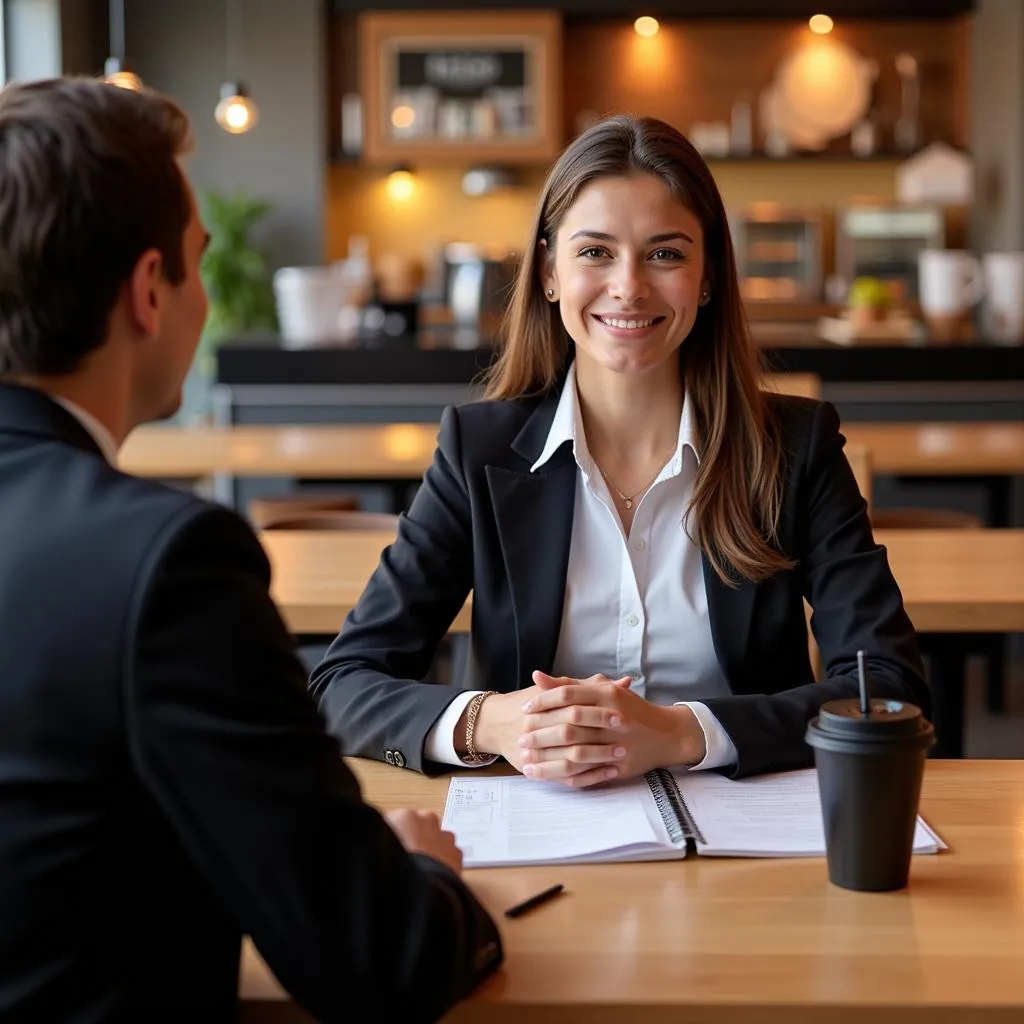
(958, 583)
(941, 449)
(733, 941)
(403, 451)
(393, 451)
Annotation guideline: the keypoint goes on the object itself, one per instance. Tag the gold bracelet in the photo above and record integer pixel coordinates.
(473, 756)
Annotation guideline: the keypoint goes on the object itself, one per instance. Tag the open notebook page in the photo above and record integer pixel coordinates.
(766, 816)
(517, 820)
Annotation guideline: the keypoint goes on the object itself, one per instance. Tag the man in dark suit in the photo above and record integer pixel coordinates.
(166, 784)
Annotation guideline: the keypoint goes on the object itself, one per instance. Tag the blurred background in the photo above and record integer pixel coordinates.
(369, 173)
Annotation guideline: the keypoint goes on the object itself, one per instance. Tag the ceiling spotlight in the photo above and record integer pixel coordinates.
(401, 184)
(646, 26)
(820, 24)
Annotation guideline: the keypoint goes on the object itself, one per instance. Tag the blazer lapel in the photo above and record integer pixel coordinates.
(731, 611)
(534, 513)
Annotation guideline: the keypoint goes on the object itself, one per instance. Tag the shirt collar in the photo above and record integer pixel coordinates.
(96, 430)
(567, 425)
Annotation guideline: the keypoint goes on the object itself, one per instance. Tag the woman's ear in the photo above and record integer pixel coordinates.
(546, 269)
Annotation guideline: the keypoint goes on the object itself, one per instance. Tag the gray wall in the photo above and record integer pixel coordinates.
(32, 39)
(179, 47)
(997, 124)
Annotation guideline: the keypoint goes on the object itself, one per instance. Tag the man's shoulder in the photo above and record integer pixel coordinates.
(137, 518)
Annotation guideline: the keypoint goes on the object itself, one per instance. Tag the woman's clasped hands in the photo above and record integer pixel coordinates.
(586, 731)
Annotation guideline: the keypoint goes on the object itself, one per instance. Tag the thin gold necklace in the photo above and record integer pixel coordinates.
(627, 499)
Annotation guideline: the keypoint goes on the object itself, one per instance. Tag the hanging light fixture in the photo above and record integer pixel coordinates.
(236, 112)
(116, 70)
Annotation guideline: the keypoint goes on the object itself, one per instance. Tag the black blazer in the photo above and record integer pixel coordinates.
(166, 783)
(482, 520)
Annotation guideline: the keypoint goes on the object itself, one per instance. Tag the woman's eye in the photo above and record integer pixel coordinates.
(666, 254)
(592, 252)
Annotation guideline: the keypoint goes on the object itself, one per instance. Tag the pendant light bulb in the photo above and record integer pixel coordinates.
(236, 113)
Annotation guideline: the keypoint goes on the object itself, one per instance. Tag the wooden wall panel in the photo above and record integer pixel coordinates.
(694, 71)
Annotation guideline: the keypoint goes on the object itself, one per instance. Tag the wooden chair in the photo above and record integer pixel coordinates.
(265, 513)
(452, 660)
(335, 519)
(802, 385)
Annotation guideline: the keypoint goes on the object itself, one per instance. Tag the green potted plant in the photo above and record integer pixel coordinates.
(234, 272)
(238, 286)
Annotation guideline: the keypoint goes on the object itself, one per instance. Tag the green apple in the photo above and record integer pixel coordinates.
(868, 293)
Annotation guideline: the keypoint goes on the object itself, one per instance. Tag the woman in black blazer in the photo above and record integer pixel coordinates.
(638, 522)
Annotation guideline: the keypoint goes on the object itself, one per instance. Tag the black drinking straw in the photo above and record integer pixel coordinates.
(862, 672)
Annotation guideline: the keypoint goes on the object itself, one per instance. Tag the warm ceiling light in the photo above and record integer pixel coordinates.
(400, 185)
(115, 73)
(236, 113)
(820, 24)
(403, 117)
(646, 26)
(116, 70)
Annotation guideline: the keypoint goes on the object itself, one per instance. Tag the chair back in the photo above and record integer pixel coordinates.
(800, 385)
(328, 520)
(264, 513)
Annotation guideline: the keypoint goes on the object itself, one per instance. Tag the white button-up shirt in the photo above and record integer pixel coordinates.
(633, 605)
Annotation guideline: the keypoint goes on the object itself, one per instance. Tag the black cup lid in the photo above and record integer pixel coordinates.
(887, 718)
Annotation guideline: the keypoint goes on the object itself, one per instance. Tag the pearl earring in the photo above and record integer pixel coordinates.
(551, 293)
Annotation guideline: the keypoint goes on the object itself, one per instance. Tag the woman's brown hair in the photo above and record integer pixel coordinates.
(734, 513)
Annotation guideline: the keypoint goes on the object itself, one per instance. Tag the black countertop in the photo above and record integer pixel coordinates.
(407, 361)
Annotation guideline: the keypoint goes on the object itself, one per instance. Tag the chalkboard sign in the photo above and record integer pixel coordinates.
(461, 73)
(482, 84)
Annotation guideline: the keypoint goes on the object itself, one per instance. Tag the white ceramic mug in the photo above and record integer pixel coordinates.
(950, 282)
(1004, 302)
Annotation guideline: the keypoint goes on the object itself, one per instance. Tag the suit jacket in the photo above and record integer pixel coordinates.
(166, 783)
(482, 520)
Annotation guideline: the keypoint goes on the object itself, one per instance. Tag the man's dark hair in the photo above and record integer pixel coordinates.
(88, 182)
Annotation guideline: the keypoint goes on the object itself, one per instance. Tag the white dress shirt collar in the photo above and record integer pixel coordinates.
(567, 425)
(92, 426)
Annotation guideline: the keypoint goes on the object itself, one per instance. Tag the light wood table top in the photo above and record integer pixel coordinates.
(402, 451)
(392, 451)
(952, 580)
(734, 941)
(941, 449)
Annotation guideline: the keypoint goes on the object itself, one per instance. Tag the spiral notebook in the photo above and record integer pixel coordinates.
(664, 815)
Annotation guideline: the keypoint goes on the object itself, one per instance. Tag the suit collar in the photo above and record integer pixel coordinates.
(530, 441)
(97, 431)
(566, 427)
(32, 413)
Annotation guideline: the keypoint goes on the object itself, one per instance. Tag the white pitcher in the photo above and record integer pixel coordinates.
(950, 282)
(1003, 315)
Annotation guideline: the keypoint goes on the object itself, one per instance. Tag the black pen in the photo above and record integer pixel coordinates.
(534, 901)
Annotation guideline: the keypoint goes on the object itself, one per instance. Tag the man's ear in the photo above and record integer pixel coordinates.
(546, 269)
(144, 292)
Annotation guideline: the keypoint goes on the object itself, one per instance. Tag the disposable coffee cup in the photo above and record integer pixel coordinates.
(869, 775)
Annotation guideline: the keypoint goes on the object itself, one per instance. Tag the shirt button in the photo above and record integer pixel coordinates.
(632, 620)
(641, 544)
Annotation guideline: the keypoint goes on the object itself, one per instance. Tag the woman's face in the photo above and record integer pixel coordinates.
(627, 271)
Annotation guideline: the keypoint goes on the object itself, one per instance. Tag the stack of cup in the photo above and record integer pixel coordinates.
(870, 758)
